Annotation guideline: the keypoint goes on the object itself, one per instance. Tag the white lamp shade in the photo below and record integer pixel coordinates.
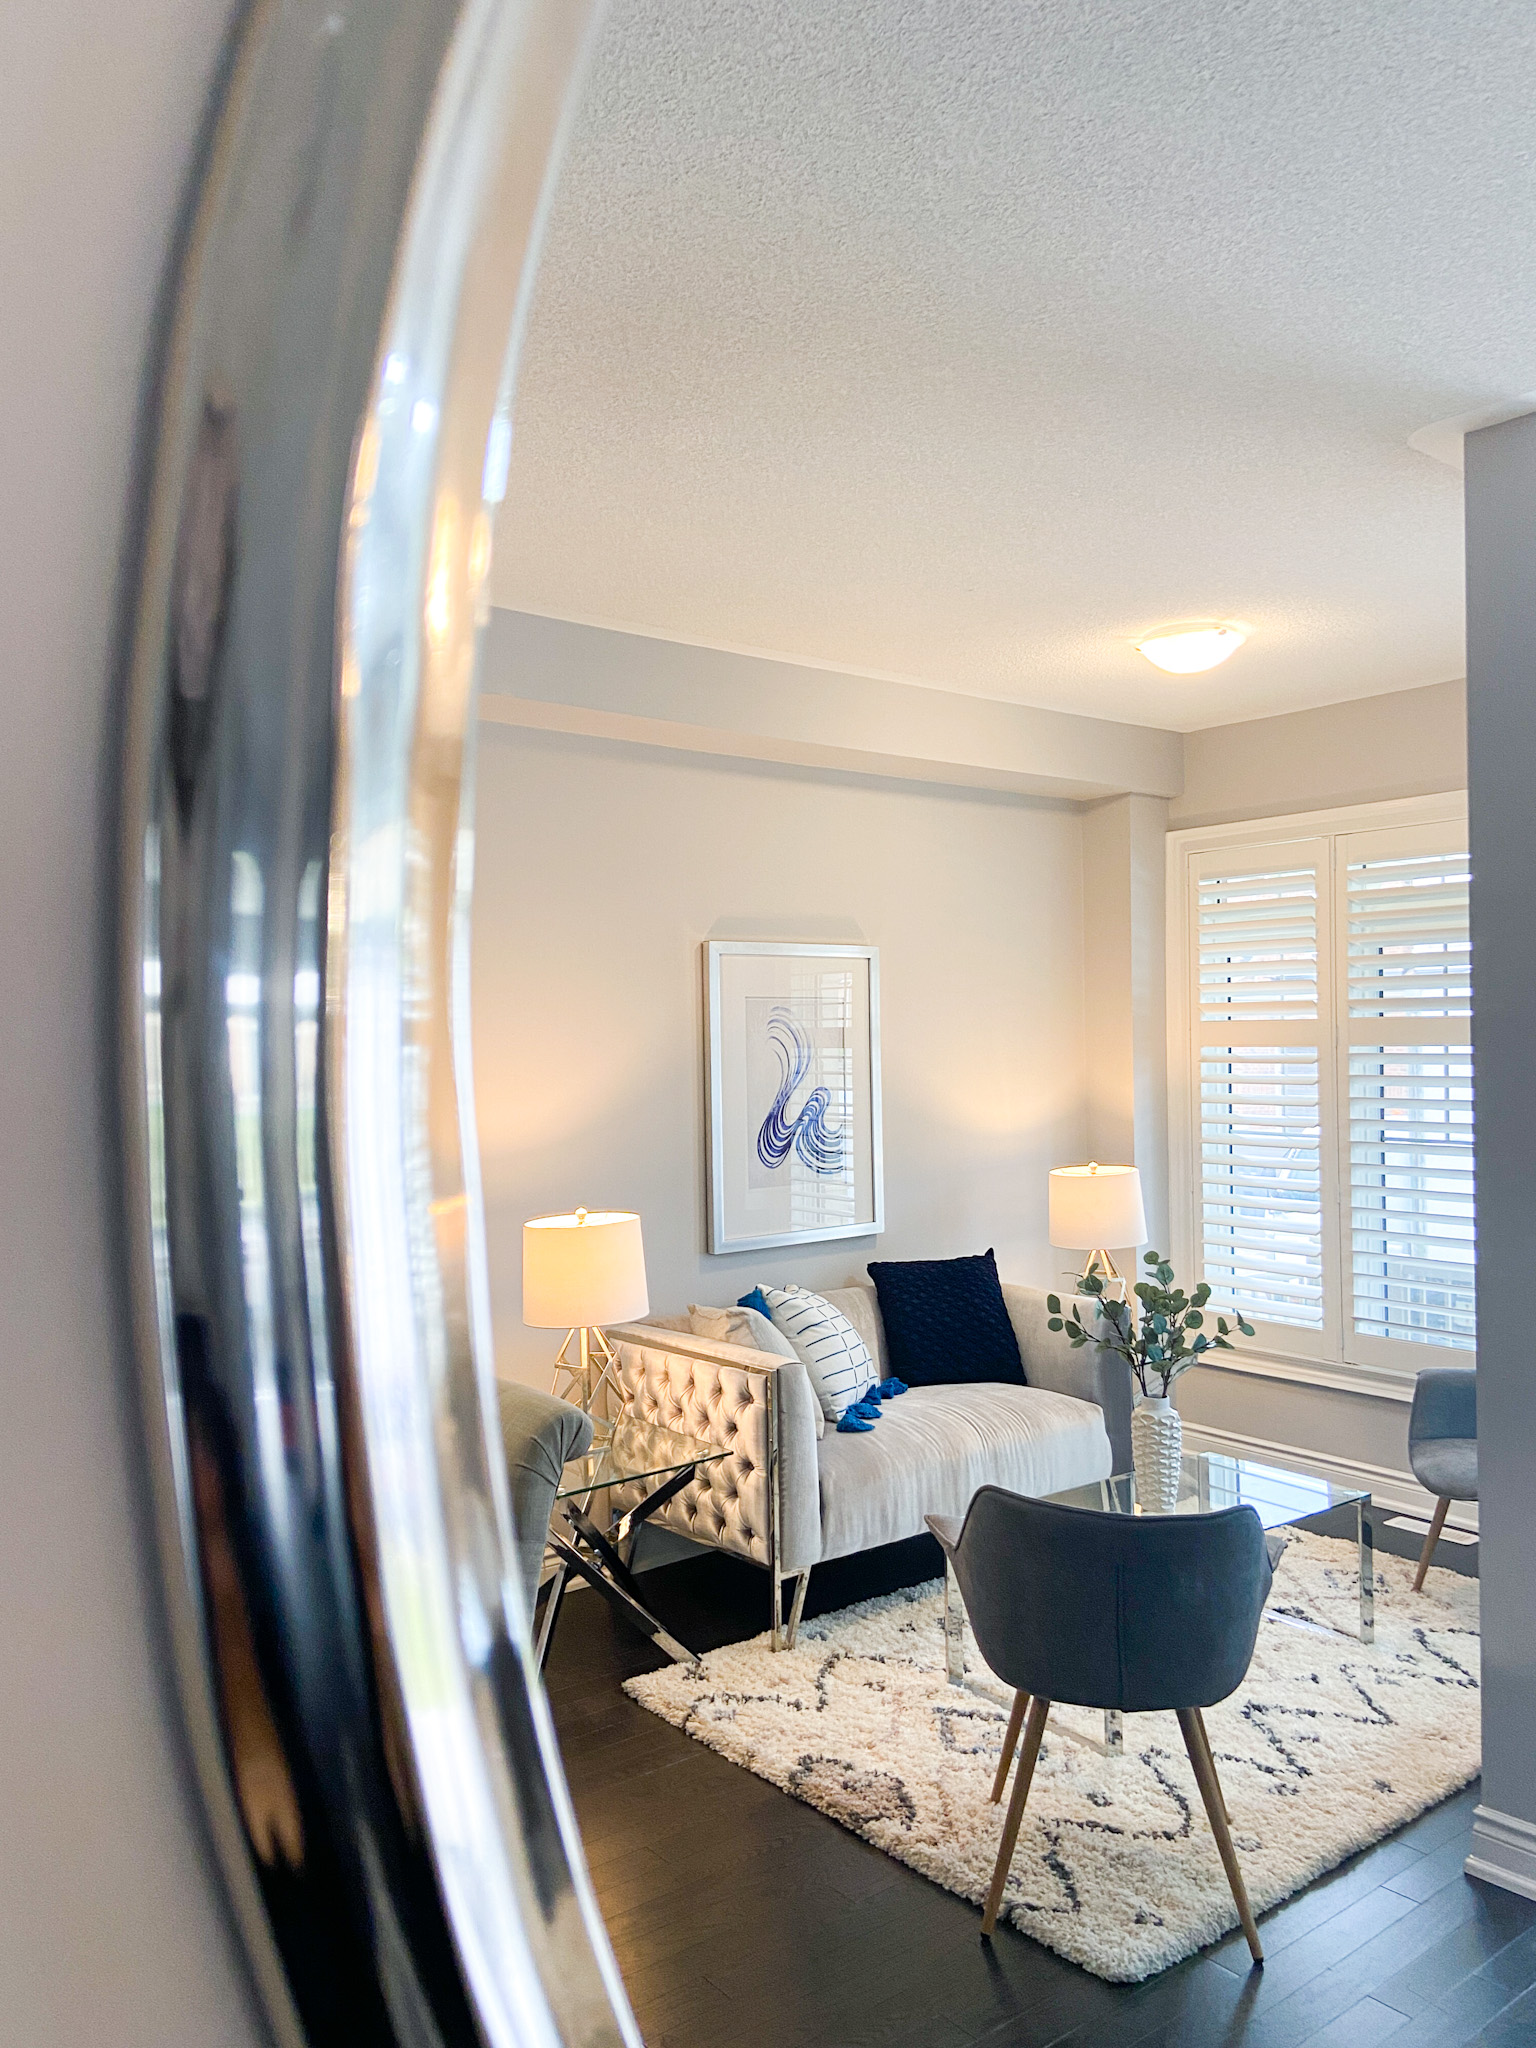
(1096, 1207)
(584, 1270)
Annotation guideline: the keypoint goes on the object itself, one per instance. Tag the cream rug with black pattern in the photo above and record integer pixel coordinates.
(1327, 1746)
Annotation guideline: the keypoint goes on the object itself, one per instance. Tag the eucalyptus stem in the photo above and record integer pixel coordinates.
(1165, 1339)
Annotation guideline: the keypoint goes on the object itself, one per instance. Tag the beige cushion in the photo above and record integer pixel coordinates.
(862, 1308)
(739, 1326)
(934, 1446)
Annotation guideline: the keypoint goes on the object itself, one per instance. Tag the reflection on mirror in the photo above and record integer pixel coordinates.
(846, 875)
(664, 728)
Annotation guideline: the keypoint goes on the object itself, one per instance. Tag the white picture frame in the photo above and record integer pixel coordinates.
(792, 1050)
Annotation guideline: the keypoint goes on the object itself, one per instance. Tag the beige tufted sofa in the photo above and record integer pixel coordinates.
(790, 1494)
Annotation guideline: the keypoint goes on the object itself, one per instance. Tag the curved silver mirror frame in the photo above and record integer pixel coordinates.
(303, 1209)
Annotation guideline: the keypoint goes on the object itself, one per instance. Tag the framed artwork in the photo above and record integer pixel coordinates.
(794, 1094)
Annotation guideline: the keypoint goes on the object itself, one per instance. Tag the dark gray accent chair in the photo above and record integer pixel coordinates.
(538, 1434)
(1442, 1445)
(1145, 1613)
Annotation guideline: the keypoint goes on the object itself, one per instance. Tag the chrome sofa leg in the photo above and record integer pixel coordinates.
(802, 1583)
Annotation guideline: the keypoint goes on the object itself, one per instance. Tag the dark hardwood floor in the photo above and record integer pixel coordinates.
(743, 1919)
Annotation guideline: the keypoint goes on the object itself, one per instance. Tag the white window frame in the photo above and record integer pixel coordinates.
(1313, 1357)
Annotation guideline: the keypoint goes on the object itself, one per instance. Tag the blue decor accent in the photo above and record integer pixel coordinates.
(946, 1322)
(869, 1408)
(756, 1299)
(820, 1146)
(888, 1389)
(830, 1348)
(851, 1423)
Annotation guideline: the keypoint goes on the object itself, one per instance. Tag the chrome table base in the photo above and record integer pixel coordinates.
(597, 1558)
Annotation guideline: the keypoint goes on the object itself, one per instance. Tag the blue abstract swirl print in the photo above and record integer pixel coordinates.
(821, 1146)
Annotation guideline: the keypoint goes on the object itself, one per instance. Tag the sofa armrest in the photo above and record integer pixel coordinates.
(759, 1410)
(1090, 1373)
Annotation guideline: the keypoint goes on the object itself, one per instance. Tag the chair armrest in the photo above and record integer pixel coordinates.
(759, 1410)
(1090, 1373)
(538, 1434)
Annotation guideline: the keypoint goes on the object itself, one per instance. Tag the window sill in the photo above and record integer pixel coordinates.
(1381, 1383)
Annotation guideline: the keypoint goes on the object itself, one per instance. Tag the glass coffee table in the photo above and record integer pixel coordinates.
(1281, 1498)
(630, 1471)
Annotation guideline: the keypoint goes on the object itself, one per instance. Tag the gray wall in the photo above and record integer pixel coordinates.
(112, 1932)
(1411, 743)
(1501, 662)
(601, 866)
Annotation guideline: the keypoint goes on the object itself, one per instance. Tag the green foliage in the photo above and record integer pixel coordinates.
(1166, 1339)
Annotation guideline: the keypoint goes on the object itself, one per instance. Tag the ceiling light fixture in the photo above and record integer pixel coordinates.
(1187, 650)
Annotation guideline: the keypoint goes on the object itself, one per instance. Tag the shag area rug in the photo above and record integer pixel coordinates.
(1327, 1746)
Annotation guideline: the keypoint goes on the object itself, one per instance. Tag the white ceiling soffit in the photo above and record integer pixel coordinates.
(965, 345)
(1446, 440)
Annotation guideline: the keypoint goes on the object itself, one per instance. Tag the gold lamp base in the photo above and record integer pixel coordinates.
(580, 1379)
(1108, 1272)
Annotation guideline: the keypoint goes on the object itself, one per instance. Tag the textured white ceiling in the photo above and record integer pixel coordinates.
(965, 342)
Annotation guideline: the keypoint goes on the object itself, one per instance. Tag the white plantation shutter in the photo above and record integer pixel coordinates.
(1257, 937)
(1323, 1062)
(1259, 923)
(1261, 1198)
(1405, 956)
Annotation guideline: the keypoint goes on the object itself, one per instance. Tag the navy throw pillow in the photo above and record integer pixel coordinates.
(946, 1322)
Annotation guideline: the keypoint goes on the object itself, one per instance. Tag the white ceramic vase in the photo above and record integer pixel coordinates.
(1157, 1444)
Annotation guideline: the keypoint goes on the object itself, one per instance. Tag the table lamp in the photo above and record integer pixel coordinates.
(1094, 1206)
(580, 1272)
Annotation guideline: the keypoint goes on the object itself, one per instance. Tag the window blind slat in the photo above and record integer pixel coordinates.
(1411, 1222)
(1256, 944)
(1408, 940)
(1412, 1198)
(1260, 1174)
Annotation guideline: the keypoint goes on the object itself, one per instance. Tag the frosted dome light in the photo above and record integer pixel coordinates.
(1188, 650)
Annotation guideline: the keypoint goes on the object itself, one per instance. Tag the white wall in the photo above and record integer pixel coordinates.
(112, 1930)
(1125, 1020)
(601, 867)
(559, 675)
(1410, 743)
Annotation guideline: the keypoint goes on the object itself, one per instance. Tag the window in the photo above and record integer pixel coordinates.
(1322, 1079)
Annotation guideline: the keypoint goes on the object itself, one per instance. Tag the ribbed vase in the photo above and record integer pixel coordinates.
(1157, 1446)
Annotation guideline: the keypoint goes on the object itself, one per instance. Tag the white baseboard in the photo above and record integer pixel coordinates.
(1399, 1491)
(1503, 1851)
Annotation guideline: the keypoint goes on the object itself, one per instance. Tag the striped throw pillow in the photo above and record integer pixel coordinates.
(827, 1344)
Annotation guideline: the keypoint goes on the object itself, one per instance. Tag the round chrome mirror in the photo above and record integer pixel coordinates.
(301, 1187)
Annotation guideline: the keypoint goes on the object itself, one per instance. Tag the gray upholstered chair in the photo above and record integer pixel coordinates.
(538, 1434)
(1442, 1445)
(1145, 1613)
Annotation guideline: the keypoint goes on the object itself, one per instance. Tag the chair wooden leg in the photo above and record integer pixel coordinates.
(1210, 1757)
(1198, 1743)
(1034, 1729)
(1442, 1509)
(1010, 1744)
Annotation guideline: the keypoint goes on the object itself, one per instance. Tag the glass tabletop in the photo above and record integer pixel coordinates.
(1208, 1481)
(622, 1452)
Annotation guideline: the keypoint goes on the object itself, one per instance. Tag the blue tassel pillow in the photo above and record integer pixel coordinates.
(832, 1351)
(946, 1323)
